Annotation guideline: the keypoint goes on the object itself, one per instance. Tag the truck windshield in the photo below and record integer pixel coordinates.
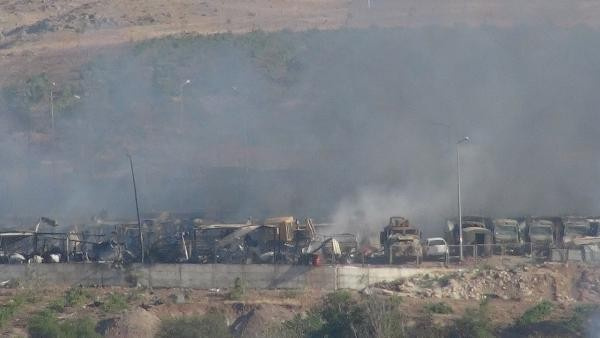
(437, 242)
(540, 230)
(506, 230)
(576, 229)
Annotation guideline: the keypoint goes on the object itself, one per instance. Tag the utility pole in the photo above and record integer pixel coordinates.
(186, 82)
(460, 229)
(53, 84)
(137, 210)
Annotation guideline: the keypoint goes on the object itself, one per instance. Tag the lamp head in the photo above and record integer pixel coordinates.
(466, 139)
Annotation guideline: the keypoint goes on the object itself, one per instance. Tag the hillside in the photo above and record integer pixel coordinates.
(44, 33)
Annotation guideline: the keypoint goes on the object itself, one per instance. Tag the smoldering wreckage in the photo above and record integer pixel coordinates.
(282, 240)
(287, 240)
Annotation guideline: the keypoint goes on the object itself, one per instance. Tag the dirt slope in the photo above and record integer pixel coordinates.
(54, 33)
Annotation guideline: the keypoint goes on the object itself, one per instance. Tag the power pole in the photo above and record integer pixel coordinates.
(137, 210)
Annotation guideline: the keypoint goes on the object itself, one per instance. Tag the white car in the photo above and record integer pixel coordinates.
(436, 247)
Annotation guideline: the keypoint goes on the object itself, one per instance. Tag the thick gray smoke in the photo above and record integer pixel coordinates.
(352, 126)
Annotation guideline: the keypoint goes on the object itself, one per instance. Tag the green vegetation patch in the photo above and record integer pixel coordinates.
(14, 305)
(238, 291)
(211, 325)
(535, 313)
(439, 308)
(114, 302)
(343, 315)
(77, 296)
(46, 325)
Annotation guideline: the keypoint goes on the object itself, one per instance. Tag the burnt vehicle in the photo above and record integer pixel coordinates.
(507, 234)
(291, 238)
(540, 231)
(477, 237)
(205, 248)
(278, 240)
(400, 241)
(340, 248)
(574, 228)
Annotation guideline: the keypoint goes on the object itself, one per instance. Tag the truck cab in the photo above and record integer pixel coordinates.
(506, 231)
(400, 240)
(540, 231)
(574, 228)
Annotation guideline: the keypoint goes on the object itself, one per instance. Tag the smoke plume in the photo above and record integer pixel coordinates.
(350, 126)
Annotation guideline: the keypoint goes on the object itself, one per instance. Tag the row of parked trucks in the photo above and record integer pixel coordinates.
(557, 231)
(401, 241)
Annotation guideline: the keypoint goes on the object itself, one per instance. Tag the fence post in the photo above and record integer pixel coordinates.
(532, 252)
(67, 250)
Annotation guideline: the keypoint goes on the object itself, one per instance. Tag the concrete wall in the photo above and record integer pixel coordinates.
(206, 276)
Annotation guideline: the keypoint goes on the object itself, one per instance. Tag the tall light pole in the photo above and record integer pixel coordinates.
(236, 92)
(186, 82)
(460, 229)
(137, 210)
(52, 85)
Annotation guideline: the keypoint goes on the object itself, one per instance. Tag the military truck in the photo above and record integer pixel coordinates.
(400, 241)
(475, 233)
(540, 231)
(507, 234)
(574, 228)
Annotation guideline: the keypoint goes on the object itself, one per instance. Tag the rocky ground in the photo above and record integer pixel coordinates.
(556, 282)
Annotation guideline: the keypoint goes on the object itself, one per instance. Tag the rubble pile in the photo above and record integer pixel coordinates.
(514, 283)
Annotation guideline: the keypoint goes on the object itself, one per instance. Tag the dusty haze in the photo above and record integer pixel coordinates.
(351, 126)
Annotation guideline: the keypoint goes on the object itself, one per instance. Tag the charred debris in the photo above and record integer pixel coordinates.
(287, 240)
(166, 239)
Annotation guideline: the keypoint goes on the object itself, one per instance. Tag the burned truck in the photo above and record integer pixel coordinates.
(279, 239)
(340, 248)
(507, 235)
(477, 237)
(206, 246)
(574, 228)
(400, 241)
(540, 231)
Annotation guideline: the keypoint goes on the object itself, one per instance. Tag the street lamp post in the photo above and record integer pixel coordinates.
(460, 229)
(53, 84)
(186, 82)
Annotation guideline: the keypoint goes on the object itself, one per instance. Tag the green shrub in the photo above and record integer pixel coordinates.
(57, 305)
(535, 313)
(307, 325)
(237, 293)
(79, 328)
(439, 308)
(342, 315)
(77, 296)
(475, 323)
(115, 302)
(46, 325)
(211, 325)
(8, 310)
